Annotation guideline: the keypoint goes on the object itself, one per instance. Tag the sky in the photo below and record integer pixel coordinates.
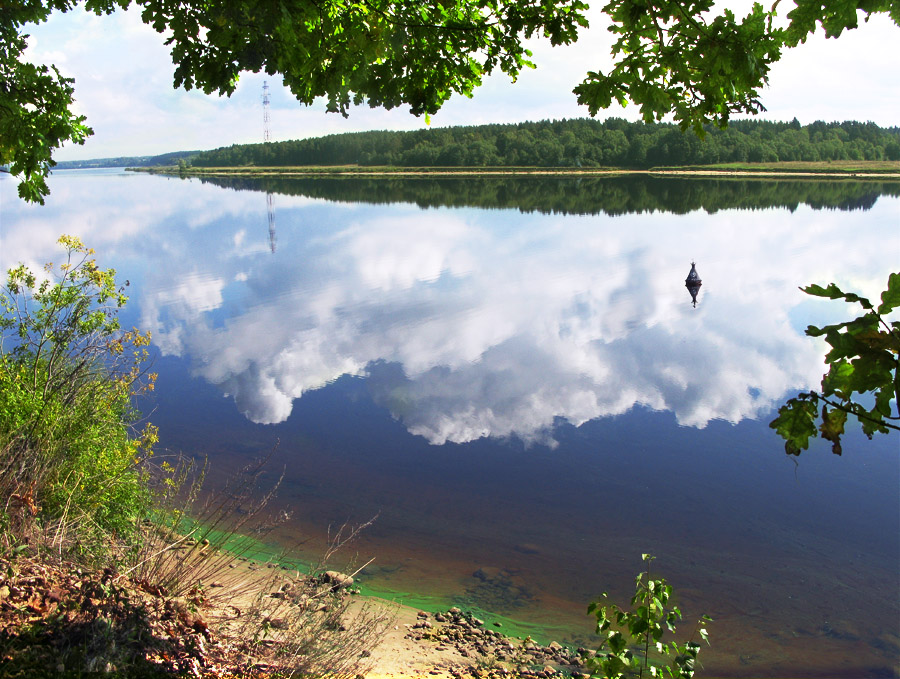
(123, 84)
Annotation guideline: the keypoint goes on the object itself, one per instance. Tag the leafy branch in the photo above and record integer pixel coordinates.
(864, 360)
(644, 625)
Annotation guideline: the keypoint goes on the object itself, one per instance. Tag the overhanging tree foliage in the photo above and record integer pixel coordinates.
(863, 363)
(672, 56)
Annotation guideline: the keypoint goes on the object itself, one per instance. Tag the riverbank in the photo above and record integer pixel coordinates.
(76, 619)
(837, 169)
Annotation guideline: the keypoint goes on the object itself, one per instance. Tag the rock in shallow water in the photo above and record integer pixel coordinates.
(338, 580)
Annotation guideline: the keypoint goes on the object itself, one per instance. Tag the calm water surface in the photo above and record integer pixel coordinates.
(512, 375)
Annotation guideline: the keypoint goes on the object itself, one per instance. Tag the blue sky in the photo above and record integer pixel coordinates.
(123, 84)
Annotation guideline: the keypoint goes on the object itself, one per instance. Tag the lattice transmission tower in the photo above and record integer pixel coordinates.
(267, 137)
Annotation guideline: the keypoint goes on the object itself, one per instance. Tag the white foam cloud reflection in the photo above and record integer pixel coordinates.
(471, 323)
(465, 329)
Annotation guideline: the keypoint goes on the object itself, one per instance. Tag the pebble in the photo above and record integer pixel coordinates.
(466, 634)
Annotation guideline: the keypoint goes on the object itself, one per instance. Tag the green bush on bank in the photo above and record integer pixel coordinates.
(71, 464)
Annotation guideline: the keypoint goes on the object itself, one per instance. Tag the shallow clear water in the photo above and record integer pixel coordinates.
(512, 375)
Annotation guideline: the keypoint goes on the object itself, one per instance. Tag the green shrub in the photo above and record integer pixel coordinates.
(70, 459)
(633, 640)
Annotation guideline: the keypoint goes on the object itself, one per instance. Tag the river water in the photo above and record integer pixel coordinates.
(511, 374)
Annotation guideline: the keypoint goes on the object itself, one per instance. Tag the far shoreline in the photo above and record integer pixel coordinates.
(841, 170)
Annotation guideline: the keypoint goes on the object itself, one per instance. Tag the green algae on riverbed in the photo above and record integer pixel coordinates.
(252, 549)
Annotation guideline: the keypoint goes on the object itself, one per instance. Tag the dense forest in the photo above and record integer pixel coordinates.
(577, 195)
(580, 142)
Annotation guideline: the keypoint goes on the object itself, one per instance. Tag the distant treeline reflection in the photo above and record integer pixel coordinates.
(577, 195)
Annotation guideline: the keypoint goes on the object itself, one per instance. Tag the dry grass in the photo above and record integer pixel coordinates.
(279, 617)
(189, 592)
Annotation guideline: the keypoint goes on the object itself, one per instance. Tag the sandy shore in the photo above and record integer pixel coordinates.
(400, 654)
(415, 643)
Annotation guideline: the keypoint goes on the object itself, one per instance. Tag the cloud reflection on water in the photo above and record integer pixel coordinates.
(472, 323)
(467, 330)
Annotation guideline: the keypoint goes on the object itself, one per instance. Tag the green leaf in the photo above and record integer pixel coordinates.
(834, 292)
(832, 427)
(639, 625)
(890, 298)
(851, 297)
(616, 642)
(796, 424)
(831, 292)
(872, 426)
(883, 399)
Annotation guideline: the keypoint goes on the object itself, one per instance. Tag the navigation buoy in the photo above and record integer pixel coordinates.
(693, 283)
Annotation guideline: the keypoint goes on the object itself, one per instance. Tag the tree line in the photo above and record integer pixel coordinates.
(127, 161)
(577, 195)
(574, 143)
